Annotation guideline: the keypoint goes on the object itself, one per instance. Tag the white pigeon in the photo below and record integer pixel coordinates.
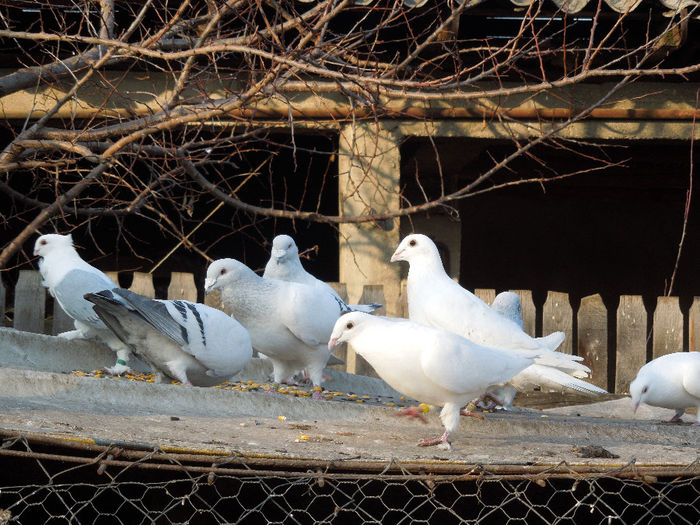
(434, 299)
(284, 264)
(68, 279)
(508, 304)
(289, 322)
(670, 381)
(428, 364)
(190, 342)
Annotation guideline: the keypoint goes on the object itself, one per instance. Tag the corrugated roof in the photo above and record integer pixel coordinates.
(568, 6)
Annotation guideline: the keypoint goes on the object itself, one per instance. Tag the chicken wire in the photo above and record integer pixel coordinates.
(46, 480)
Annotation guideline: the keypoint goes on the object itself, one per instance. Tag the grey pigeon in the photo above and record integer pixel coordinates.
(69, 278)
(190, 342)
(284, 264)
(289, 322)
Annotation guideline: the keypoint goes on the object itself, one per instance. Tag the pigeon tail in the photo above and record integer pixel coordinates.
(366, 308)
(553, 340)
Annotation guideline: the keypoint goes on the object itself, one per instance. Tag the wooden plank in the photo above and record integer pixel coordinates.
(3, 295)
(403, 299)
(30, 302)
(371, 293)
(182, 287)
(558, 316)
(694, 325)
(631, 343)
(62, 322)
(114, 276)
(143, 284)
(668, 327)
(528, 306)
(486, 294)
(340, 351)
(593, 338)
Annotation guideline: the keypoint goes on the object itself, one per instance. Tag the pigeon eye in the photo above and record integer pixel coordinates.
(412, 242)
(42, 242)
(644, 390)
(350, 325)
(223, 271)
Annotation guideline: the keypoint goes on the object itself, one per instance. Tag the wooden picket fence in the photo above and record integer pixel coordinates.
(614, 361)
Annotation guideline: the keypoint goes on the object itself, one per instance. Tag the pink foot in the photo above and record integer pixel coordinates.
(442, 440)
(465, 412)
(317, 394)
(413, 412)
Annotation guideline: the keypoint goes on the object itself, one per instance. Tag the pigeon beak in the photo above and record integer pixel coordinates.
(636, 406)
(277, 254)
(396, 256)
(332, 343)
(209, 284)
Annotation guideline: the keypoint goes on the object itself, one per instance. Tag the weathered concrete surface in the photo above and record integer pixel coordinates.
(193, 418)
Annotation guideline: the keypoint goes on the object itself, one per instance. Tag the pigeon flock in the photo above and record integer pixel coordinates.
(454, 351)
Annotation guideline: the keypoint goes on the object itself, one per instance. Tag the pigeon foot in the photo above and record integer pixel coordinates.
(117, 370)
(467, 412)
(414, 412)
(441, 442)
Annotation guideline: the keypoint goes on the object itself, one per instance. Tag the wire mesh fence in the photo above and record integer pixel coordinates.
(51, 480)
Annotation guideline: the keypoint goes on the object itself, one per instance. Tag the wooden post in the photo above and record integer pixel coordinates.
(340, 351)
(114, 276)
(558, 316)
(631, 341)
(668, 327)
(30, 302)
(182, 287)
(485, 294)
(694, 325)
(143, 284)
(528, 306)
(62, 322)
(593, 338)
(371, 293)
(403, 299)
(3, 294)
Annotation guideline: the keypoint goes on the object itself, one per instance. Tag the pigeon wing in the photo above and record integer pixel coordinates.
(460, 366)
(307, 312)
(109, 309)
(70, 291)
(156, 314)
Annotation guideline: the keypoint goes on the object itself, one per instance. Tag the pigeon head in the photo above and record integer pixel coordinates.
(640, 390)
(283, 246)
(52, 242)
(224, 271)
(416, 247)
(346, 327)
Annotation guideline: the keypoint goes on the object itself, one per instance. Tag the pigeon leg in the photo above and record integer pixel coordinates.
(493, 401)
(415, 412)
(677, 416)
(442, 441)
(120, 367)
(317, 393)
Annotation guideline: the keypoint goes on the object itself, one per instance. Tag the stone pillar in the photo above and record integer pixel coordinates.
(369, 171)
